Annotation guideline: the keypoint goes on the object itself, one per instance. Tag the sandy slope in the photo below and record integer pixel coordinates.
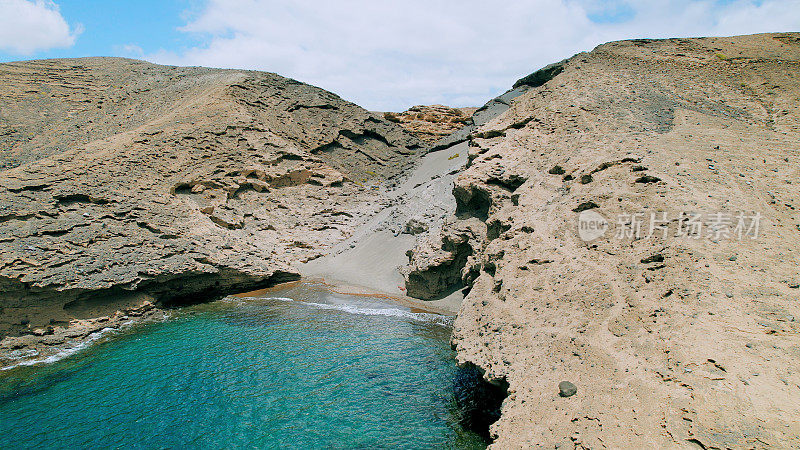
(372, 256)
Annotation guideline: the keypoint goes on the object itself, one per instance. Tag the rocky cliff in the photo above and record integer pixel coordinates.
(629, 225)
(123, 181)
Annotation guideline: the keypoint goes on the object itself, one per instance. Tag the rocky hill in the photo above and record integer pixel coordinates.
(123, 181)
(629, 225)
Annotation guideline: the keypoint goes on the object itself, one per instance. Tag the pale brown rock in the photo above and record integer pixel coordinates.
(694, 349)
(127, 181)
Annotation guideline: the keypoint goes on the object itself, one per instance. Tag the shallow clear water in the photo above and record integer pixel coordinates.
(308, 370)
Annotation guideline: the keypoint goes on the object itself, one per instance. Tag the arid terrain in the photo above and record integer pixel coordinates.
(432, 123)
(124, 181)
(671, 339)
(624, 220)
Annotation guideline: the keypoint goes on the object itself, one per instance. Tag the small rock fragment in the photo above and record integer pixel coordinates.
(585, 206)
(648, 179)
(415, 226)
(658, 257)
(567, 389)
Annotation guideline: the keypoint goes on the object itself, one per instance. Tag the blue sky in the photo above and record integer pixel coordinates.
(108, 26)
(384, 55)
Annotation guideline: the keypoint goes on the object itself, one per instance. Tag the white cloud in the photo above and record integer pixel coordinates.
(27, 26)
(129, 50)
(391, 55)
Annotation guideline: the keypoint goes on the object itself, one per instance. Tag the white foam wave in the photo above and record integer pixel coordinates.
(243, 300)
(28, 360)
(64, 352)
(388, 312)
(353, 309)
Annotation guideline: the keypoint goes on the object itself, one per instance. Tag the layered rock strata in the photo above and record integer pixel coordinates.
(432, 123)
(124, 181)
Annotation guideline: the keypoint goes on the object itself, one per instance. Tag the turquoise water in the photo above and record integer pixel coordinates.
(310, 369)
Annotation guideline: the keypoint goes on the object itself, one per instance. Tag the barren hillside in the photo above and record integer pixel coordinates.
(678, 325)
(124, 180)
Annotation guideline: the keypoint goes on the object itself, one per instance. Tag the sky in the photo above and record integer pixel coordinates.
(383, 55)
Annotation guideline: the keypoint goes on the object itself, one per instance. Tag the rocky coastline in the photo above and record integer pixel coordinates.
(237, 180)
(228, 180)
(634, 337)
(52, 342)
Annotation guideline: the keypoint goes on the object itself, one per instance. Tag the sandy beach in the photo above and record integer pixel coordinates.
(372, 256)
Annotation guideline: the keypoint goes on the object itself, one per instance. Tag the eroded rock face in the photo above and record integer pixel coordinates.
(673, 341)
(127, 179)
(439, 263)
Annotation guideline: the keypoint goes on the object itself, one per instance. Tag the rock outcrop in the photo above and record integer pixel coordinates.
(124, 181)
(585, 262)
(432, 123)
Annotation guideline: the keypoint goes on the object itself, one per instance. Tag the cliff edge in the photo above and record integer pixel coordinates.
(629, 225)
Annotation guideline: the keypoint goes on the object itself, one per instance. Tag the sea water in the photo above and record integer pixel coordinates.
(300, 368)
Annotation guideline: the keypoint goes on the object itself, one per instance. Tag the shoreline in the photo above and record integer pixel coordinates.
(53, 343)
(365, 264)
(442, 307)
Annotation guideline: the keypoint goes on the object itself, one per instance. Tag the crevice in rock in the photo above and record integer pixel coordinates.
(70, 199)
(193, 289)
(479, 401)
(301, 106)
(148, 227)
(182, 189)
(510, 183)
(438, 281)
(496, 227)
(16, 217)
(472, 201)
(329, 147)
(361, 138)
(438, 270)
(30, 187)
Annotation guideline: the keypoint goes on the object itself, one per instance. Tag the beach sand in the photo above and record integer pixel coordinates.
(370, 259)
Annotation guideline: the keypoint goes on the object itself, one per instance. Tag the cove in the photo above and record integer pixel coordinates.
(298, 368)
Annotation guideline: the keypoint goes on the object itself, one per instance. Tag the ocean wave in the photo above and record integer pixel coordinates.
(389, 312)
(63, 353)
(365, 311)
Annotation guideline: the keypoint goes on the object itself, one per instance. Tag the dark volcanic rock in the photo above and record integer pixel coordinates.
(567, 389)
